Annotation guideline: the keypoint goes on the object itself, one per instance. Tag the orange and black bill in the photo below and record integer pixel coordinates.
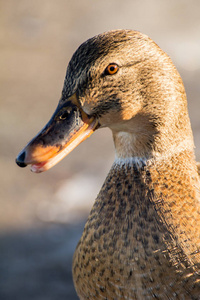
(68, 127)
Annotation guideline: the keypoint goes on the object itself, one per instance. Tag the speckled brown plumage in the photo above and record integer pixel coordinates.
(142, 237)
(140, 240)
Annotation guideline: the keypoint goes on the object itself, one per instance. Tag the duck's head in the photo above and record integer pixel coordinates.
(121, 80)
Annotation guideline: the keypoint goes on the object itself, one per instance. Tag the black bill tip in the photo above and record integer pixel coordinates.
(20, 160)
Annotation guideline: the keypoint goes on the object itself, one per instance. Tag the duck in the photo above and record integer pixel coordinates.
(142, 236)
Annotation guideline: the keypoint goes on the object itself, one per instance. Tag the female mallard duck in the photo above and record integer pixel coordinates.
(142, 237)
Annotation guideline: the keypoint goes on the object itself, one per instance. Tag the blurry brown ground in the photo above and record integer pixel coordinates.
(42, 216)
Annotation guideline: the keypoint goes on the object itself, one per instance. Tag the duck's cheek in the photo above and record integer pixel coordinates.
(116, 119)
(129, 111)
(109, 119)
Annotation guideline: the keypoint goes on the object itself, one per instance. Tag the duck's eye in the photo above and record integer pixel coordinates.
(65, 113)
(111, 69)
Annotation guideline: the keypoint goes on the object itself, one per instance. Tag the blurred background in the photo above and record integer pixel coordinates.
(42, 216)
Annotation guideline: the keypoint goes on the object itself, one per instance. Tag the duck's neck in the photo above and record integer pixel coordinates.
(148, 149)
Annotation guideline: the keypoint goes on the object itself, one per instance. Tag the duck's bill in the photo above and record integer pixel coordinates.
(68, 127)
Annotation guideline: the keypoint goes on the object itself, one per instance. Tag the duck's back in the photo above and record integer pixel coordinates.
(142, 238)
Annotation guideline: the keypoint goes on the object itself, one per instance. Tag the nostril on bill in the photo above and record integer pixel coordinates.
(20, 160)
